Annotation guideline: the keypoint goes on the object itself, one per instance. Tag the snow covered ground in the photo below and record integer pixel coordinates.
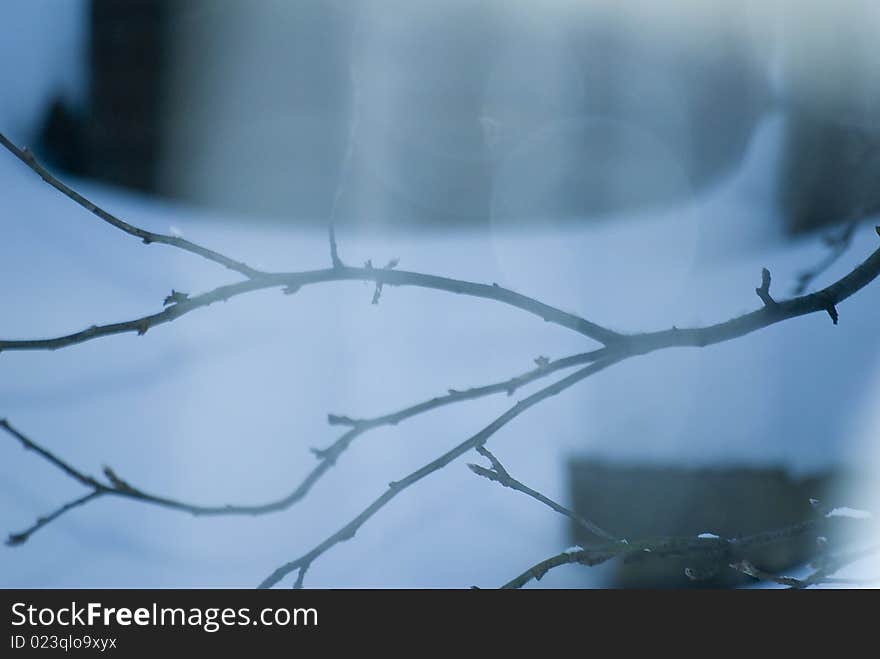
(222, 405)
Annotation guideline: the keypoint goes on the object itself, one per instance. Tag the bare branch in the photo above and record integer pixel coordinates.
(617, 347)
(348, 531)
(327, 457)
(300, 576)
(838, 245)
(29, 445)
(147, 237)
(588, 557)
(334, 249)
(749, 569)
(500, 475)
(633, 344)
(296, 280)
(828, 565)
(823, 300)
(509, 387)
(22, 536)
(764, 290)
(713, 552)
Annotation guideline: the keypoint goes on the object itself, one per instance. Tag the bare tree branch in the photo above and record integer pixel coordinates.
(394, 488)
(334, 249)
(147, 237)
(633, 344)
(77, 475)
(824, 300)
(295, 280)
(837, 247)
(499, 474)
(764, 290)
(715, 551)
(828, 566)
(749, 569)
(327, 457)
(617, 347)
(22, 536)
(588, 557)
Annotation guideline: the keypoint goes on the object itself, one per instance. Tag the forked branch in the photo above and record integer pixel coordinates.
(327, 457)
(715, 552)
(499, 474)
(616, 347)
(147, 237)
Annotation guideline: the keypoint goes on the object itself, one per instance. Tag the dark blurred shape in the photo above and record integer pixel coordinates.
(655, 119)
(463, 113)
(830, 172)
(454, 113)
(650, 501)
(830, 91)
(256, 106)
(127, 72)
(116, 138)
(62, 140)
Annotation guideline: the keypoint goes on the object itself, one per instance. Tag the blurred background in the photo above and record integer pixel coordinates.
(637, 165)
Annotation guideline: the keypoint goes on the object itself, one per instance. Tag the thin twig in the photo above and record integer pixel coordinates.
(588, 557)
(22, 536)
(29, 445)
(301, 574)
(293, 281)
(334, 249)
(823, 575)
(750, 569)
(345, 168)
(764, 290)
(633, 344)
(147, 237)
(837, 247)
(348, 531)
(824, 300)
(732, 552)
(499, 474)
(619, 347)
(327, 457)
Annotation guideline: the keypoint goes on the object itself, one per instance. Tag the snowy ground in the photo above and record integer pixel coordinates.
(223, 405)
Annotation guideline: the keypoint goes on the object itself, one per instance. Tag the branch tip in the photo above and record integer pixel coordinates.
(176, 297)
(763, 290)
(341, 420)
(16, 539)
(334, 250)
(832, 311)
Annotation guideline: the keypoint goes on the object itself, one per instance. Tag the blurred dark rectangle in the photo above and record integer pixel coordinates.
(656, 501)
(123, 129)
(449, 118)
(829, 172)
